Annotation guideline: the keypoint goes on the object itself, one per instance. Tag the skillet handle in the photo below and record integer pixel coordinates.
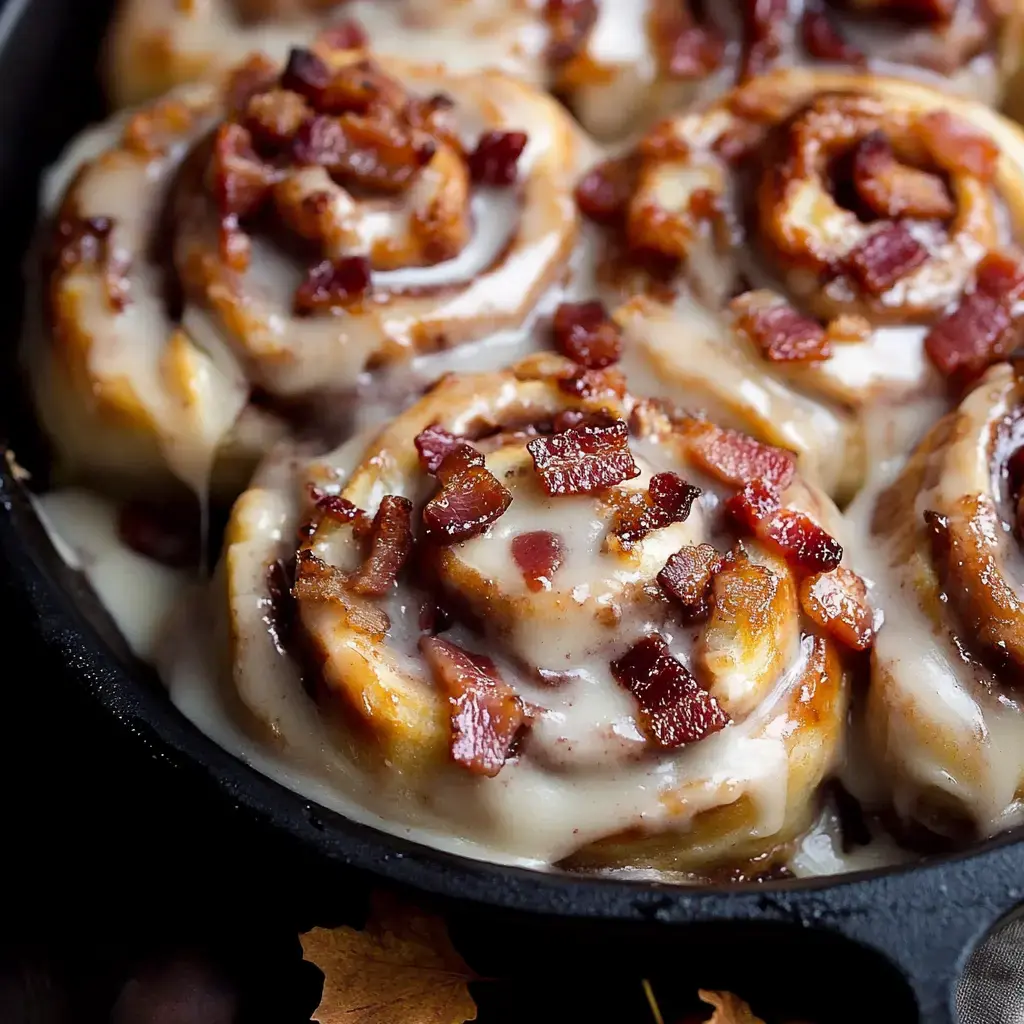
(928, 921)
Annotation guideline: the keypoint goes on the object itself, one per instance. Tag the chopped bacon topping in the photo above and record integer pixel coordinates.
(823, 40)
(169, 533)
(763, 25)
(332, 285)
(892, 189)
(584, 459)
(884, 257)
(979, 331)
(735, 458)
(334, 506)
(604, 192)
(569, 24)
(434, 443)
(668, 499)
(685, 49)
(782, 335)
(495, 158)
(255, 75)
(470, 498)
(486, 714)
(838, 602)
(959, 147)
(798, 538)
(539, 555)
(274, 117)
(585, 333)
(240, 180)
(674, 708)
(318, 582)
(389, 545)
(584, 383)
(687, 576)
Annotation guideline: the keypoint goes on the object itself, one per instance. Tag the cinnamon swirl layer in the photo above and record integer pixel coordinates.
(555, 620)
(816, 255)
(943, 720)
(262, 243)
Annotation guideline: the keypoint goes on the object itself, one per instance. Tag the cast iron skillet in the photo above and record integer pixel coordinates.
(878, 942)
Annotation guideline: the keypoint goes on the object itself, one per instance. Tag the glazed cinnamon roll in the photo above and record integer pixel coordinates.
(555, 621)
(943, 721)
(785, 252)
(236, 251)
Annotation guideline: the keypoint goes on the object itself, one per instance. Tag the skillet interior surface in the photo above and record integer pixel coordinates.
(900, 936)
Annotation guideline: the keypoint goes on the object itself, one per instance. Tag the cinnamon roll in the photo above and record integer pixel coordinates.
(793, 252)
(943, 721)
(559, 622)
(239, 251)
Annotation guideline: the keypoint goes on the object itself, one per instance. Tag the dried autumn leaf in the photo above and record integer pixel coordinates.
(729, 1009)
(400, 969)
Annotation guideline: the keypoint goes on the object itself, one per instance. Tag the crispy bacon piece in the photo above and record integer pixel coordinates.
(590, 384)
(822, 38)
(169, 533)
(668, 499)
(255, 75)
(604, 192)
(496, 157)
(884, 257)
(486, 714)
(891, 189)
(585, 333)
(273, 118)
(239, 180)
(958, 147)
(980, 330)
(798, 538)
(763, 25)
(433, 443)
(334, 506)
(389, 545)
(838, 602)
(569, 23)
(539, 555)
(320, 583)
(782, 335)
(330, 286)
(687, 576)
(674, 708)
(735, 458)
(584, 459)
(684, 48)
(470, 498)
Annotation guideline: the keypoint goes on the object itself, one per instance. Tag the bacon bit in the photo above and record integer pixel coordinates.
(334, 506)
(838, 602)
(240, 181)
(486, 714)
(674, 708)
(735, 458)
(687, 576)
(782, 335)
(494, 160)
(433, 444)
(257, 74)
(569, 418)
(891, 189)
(470, 498)
(591, 384)
(652, 417)
(823, 40)
(329, 286)
(306, 74)
(363, 87)
(685, 49)
(583, 460)
(763, 22)
(347, 34)
(667, 500)
(539, 556)
(318, 582)
(585, 333)
(390, 543)
(604, 192)
(884, 257)
(166, 533)
(979, 330)
(273, 118)
(798, 538)
(958, 147)
(569, 24)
